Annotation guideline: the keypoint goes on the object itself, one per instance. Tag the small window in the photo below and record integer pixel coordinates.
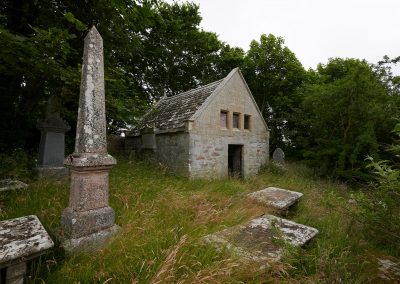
(246, 122)
(235, 121)
(224, 119)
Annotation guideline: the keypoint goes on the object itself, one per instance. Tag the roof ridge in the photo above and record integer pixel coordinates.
(171, 113)
(195, 89)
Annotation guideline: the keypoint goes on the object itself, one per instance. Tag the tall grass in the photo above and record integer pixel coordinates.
(163, 216)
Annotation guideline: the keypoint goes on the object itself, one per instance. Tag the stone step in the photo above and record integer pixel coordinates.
(277, 198)
(263, 238)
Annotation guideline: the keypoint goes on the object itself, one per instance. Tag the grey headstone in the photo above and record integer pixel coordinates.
(276, 198)
(278, 156)
(258, 240)
(88, 221)
(53, 108)
(52, 142)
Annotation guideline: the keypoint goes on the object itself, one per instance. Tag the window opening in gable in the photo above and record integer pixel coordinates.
(246, 122)
(224, 119)
(235, 121)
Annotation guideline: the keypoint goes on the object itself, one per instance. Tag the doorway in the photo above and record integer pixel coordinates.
(235, 164)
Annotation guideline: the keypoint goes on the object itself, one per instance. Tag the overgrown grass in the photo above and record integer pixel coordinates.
(162, 217)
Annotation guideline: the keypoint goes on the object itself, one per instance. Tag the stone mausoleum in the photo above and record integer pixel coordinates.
(212, 131)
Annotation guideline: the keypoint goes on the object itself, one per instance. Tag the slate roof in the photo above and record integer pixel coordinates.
(171, 113)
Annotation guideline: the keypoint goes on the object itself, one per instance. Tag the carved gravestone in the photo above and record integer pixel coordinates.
(52, 142)
(88, 221)
(278, 156)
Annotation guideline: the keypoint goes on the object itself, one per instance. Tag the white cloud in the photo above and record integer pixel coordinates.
(314, 30)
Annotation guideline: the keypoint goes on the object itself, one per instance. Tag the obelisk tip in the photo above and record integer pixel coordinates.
(93, 34)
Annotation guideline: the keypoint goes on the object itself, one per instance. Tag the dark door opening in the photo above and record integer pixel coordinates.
(235, 160)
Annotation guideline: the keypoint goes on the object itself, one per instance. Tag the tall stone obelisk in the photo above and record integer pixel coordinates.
(88, 221)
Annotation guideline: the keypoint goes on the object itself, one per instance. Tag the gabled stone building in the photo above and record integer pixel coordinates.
(213, 131)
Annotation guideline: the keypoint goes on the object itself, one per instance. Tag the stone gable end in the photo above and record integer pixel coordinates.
(209, 140)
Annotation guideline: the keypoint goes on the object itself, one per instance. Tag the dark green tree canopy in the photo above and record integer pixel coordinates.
(150, 47)
(346, 113)
(274, 74)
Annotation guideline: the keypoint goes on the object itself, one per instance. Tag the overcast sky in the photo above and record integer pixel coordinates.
(314, 30)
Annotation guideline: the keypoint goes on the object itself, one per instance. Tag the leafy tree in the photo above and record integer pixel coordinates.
(31, 68)
(345, 111)
(150, 48)
(274, 74)
(178, 55)
(228, 59)
(43, 44)
(384, 70)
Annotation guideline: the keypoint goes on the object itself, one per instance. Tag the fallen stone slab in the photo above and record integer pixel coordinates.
(21, 239)
(389, 269)
(263, 238)
(275, 197)
(10, 184)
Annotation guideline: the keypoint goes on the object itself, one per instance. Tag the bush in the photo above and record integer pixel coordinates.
(380, 206)
(17, 164)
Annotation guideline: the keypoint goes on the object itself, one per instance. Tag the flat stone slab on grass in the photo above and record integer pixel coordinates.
(277, 198)
(22, 239)
(10, 184)
(262, 239)
(389, 269)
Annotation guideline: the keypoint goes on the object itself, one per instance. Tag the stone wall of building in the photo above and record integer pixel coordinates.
(170, 149)
(115, 144)
(209, 155)
(132, 143)
(209, 140)
(173, 151)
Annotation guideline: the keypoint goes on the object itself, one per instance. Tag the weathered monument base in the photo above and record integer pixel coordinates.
(88, 221)
(90, 242)
(80, 224)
